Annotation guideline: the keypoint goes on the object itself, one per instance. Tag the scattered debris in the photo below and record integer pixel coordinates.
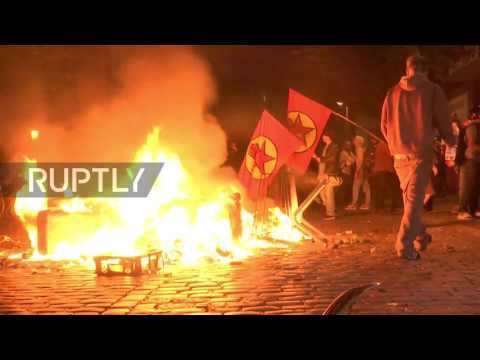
(9, 244)
(222, 252)
(346, 238)
(396, 304)
(450, 248)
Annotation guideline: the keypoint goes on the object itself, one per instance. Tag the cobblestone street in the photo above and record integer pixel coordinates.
(301, 279)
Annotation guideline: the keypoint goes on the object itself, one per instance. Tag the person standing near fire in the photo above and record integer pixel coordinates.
(360, 179)
(347, 168)
(329, 173)
(411, 111)
(469, 169)
(13, 232)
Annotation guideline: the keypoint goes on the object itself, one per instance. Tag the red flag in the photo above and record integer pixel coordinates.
(307, 120)
(269, 149)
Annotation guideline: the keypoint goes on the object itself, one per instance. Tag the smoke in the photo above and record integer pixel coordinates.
(99, 103)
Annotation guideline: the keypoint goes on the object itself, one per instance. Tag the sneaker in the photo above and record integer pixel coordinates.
(329, 218)
(413, 256)
(464, 216)
(421, 243)
(365, 207)
(477, 214)
(351, 208)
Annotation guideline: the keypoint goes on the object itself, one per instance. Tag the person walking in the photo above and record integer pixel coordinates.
(411, 111)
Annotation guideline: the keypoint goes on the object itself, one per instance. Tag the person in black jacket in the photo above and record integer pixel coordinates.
(329, 173)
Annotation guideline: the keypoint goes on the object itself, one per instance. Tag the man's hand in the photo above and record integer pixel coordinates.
(435, 170)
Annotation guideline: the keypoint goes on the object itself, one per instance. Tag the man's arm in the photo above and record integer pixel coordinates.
(471, 136)
(331, 155)
(442, 116)
(384, 117)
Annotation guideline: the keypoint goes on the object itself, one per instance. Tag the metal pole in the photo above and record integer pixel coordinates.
(303, 224)
(293, 194)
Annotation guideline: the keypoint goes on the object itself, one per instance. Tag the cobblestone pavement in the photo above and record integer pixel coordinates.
(300, 279)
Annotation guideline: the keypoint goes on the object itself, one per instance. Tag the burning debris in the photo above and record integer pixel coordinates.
(129, 265)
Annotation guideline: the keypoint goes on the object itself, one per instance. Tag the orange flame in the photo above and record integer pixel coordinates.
(184, 223)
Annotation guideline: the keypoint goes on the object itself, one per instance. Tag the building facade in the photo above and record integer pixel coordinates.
(463, 80)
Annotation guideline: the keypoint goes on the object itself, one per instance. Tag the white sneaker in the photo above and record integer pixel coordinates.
(464, 216)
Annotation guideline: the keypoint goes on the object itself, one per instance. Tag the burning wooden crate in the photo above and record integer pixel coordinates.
(59, 227)
(129, 265)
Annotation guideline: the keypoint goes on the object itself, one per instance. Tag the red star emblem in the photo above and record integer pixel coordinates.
(260, 156)
(299, 130)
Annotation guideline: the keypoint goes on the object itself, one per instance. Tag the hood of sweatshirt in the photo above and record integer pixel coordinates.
(412, 83)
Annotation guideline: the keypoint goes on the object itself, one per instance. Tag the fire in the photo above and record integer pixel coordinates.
(188, 223)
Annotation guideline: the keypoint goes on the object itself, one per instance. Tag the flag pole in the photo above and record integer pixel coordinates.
(356, 125)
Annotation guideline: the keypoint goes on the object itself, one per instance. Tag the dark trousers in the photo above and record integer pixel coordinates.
(345, 190)
(385, 187)
(469, 186)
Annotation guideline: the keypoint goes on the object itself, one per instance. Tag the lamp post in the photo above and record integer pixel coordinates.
(348, 128)
(341, 104)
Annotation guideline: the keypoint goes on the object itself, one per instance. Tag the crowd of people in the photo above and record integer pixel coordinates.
(360, 174)
(351, 171)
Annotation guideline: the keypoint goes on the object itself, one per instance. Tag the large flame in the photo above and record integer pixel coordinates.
(187, 213)
(185, 223)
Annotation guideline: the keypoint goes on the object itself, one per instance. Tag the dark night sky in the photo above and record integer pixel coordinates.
(357, 75)
(245, 75)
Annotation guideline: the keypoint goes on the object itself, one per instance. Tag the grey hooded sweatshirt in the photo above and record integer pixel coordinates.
(412, 109)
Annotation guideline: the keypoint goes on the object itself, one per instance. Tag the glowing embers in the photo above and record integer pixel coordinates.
(129, 265)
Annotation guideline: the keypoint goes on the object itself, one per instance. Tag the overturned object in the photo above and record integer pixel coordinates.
(129, 265)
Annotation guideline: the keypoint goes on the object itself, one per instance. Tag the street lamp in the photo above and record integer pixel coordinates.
(34, 134)
(341, 104)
